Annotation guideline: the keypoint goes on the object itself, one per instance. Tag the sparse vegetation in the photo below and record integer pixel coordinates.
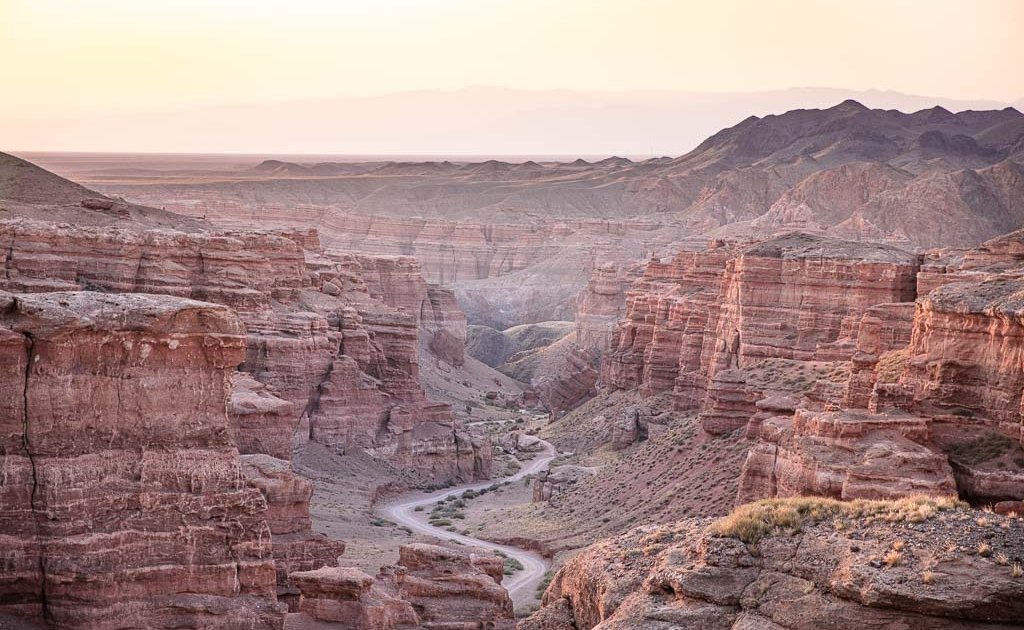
(892, 558)
(753, 521)
(512, 565)
(980, 449)
(928, 577)
(550, 575)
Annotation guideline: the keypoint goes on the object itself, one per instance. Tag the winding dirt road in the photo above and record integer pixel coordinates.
(522, 584)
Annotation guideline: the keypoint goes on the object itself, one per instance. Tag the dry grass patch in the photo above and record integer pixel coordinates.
(890, 366)
(753, 521)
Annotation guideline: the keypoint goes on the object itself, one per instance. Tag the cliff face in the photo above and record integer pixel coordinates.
(730, 306)
(295, 546)
(304, 315)
(815, 348)
(667, 315)
(602, 304)
(933, 400)
(124, 502)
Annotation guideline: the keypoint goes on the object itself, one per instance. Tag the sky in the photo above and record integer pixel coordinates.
(70, 64)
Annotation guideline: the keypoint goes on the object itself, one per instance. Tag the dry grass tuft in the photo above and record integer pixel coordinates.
(1017, 571)
(928, 577)
(753, 521)
(984, 549)
(892, 558)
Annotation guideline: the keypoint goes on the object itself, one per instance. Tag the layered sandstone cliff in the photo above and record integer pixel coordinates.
(295, 546)
(602, 304)
(933, 400)
(730, 306)
(304, 314)
(124, 504)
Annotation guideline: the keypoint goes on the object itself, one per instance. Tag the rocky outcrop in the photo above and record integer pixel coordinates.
(850, 454)
(296, 546)
(444, 326)
(965, 353)
(669, 312)
(802, 564)
(788, 296)
(795, 297)
(550, 485)
(933, 400)
(430, 587)
(885, 328)
(348, 599)
(124, 502)
(564, 391)
(260, 422)
(304, 314)
(602, 304)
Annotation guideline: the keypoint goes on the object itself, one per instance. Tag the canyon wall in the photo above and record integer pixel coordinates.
(124, 504)
(814, 347)
(731, 305)
(305, 314)
(602, 304)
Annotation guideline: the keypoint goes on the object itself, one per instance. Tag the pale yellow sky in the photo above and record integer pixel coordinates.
(108, 57)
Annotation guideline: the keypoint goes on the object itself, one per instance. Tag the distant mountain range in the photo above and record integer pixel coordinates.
(929, 178)
(473, 121)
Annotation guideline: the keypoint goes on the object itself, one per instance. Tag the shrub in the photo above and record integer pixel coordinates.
(980, 449)
(512, 565)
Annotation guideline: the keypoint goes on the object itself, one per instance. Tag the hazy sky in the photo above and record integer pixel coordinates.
(68, 58)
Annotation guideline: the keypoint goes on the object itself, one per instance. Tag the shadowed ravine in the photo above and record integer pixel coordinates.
(522, 584)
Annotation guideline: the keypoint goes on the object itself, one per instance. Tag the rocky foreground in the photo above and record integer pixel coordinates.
(800, 564)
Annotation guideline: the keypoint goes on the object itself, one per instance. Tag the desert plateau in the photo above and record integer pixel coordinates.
(306, 324)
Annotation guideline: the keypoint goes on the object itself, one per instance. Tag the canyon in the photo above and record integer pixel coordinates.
(777, 382)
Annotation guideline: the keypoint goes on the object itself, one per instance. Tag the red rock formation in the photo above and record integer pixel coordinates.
(795, 297)
(850, 454)
(602, 304)
(303, 313)
(564, 391)
(788, 296)
(430, 587)
(730, 404)
(884, 328)
(668, 313)
(260, 422)
(124, 504)
(965, 352)
(296, 546)
(349, 599)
